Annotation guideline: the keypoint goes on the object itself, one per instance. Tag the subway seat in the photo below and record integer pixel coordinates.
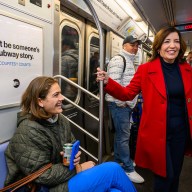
(3, 165)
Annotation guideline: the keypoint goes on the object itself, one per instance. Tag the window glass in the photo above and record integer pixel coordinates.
(69, 61)
(93, 64)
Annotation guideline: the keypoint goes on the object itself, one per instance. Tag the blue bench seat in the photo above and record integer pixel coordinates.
(3, 165)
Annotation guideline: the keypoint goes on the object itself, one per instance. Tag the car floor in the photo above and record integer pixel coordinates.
(185, 178)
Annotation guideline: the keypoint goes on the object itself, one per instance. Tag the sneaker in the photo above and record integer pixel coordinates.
(135, 177)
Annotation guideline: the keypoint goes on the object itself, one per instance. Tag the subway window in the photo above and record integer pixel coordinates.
(93, 64)
(69, 61)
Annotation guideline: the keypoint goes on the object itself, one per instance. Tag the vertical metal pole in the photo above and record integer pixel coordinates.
(101, 104)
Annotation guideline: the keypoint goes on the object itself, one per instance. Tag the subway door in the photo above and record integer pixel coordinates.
(71, 60)
(91, 104)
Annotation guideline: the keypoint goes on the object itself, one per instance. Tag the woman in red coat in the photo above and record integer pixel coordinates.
(166, 122)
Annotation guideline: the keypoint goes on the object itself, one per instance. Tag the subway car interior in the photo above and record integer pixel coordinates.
(90, 32)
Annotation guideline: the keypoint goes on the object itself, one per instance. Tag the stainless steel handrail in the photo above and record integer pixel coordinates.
(83, 110)
(82, 89)
(77, 86)
(83, 130)
(101, 92)
(85, 151)
(80, 108)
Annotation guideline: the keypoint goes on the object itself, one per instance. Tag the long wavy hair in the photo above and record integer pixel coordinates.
(159, 39)
(38, 88)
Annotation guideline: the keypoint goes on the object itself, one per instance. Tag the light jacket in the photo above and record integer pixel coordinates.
(151, 141)
(115, 71)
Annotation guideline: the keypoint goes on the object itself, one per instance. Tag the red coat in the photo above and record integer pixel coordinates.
(151, 142)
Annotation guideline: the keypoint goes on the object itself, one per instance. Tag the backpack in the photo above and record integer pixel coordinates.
(124, 61)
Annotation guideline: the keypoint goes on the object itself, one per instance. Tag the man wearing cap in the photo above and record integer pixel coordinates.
(121, 110)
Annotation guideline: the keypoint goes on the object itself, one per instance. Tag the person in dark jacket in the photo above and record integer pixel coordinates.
(94, 63)
(41, 132)
(165, 129)
(69, 67)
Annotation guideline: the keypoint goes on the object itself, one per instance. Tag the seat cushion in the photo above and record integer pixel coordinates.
(3, 168)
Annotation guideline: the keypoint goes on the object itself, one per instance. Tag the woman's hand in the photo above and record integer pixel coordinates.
(84, 166)
(77, 157)
(87, 165)
(102, 76)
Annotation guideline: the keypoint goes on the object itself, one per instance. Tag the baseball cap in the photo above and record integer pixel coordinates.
(131, 39)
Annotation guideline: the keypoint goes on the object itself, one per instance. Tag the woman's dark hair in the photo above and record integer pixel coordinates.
(38, 88)
(159, 39)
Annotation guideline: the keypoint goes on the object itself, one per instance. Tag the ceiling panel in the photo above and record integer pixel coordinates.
(166, 12)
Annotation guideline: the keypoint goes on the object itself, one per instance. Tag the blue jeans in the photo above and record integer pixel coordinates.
(106, 177)
(121, 119)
